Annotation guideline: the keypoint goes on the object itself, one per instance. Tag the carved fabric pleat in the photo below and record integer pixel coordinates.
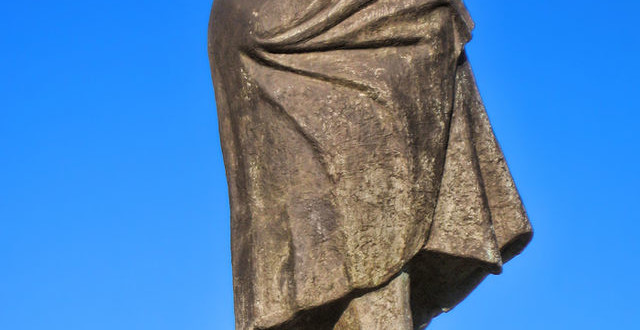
(354, 139)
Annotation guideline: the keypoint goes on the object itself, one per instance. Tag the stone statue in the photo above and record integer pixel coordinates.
(367, 188)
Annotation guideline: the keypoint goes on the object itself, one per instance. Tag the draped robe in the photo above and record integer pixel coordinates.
(356, 147)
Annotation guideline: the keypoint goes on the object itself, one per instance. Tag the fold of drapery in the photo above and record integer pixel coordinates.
(479, 213)
(352, 23)
(479, 222)
(354, 140)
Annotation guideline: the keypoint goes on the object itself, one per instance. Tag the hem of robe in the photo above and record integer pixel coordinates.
(445, 270)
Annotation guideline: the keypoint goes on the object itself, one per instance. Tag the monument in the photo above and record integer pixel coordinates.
(367, 188)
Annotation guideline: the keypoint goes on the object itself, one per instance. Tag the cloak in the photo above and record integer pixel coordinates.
(356, 146)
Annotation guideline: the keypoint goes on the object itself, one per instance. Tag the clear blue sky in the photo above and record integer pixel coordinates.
(113, 201)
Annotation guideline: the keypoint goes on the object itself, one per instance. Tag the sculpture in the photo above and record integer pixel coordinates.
(367, 189)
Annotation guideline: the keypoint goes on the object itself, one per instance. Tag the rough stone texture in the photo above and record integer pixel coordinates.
(386, 308)
(367, 188)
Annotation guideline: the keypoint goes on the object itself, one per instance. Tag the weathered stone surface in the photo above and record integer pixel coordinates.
(367, 188)
(385, 308)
